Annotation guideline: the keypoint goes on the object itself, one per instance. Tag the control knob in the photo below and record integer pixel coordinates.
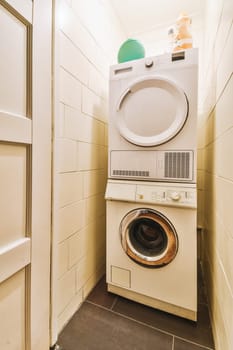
(175, 196)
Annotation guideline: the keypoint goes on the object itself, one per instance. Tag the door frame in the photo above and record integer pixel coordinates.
(41, 173)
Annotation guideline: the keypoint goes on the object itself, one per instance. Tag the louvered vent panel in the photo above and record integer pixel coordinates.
(131, 173)
(177, 165)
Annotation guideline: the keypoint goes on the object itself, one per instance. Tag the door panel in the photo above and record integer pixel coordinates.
(12, 306)
(13, 159)
(13, 67)
(25, 173)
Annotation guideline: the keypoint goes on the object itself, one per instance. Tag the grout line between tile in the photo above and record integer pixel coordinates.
(114, 303)
(192, 342)
(147, 325)
(173, 342)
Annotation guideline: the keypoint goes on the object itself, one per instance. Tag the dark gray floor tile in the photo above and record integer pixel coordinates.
(95, 328)
(100, 296)
(180, 344)
(199, 332)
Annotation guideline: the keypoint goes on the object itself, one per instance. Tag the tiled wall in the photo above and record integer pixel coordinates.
(216, 144)
(87, 37)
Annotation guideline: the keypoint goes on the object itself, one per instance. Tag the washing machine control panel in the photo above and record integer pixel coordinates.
(166, 195)
(178, 195)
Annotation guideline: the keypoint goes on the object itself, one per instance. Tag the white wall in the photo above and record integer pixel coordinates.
(87, 38)
(156, 41)
(216, 146)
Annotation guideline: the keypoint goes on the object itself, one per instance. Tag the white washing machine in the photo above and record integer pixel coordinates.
(153, 118)
(151, 244)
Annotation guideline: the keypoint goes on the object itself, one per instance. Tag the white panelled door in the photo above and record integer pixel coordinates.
(25, 173)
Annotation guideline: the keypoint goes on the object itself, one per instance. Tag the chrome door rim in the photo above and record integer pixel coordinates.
(168, 253)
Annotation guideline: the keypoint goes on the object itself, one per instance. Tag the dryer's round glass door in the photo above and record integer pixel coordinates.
(151, 112)
(148, 237)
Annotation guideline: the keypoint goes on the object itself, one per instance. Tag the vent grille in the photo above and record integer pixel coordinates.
(131, 173)
(177, 165)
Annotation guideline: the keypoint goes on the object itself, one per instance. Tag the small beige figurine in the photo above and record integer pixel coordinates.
(183, 37)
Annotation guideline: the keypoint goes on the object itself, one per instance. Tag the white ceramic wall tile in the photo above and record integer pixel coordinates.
(72, 60)
(210, 157)
(200, 134)
(90, 130)
(221, 341)
(71, 219)
(97, 83)
(93, 105)
(223, 110)
(82, 127)
(70, 89)
(95, 207)
(224, 166)
(225, 67)
(200, 179)
(93, 280)
(213, 15)
(94, 182)
(83, 272)
(72, 123)
(62, 258)
(225, 246)
(66, 289)
(60, 121)
(97, 132)
(75, 245)
(67, 155)
(106, 134)
(90, 156)
(224, 193)
(70, 188)
(224, 26)
(200, 158)
(210, 128)
(70, 309)
(92, 237)
(88, 265)
(225, 298)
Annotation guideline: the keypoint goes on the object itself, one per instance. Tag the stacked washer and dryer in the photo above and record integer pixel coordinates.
(151, 189)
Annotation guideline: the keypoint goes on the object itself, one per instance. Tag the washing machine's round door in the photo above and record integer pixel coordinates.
(151, 111)
(148, 237)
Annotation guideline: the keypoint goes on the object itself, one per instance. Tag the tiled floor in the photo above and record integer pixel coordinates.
(109, 322)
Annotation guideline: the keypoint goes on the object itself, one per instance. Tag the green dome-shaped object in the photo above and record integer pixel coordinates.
(130, 50)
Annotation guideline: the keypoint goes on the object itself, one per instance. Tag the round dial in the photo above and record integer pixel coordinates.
(175, 196)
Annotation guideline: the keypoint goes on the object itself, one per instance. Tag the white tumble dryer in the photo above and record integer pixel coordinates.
(153, 118)
(151, 244)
